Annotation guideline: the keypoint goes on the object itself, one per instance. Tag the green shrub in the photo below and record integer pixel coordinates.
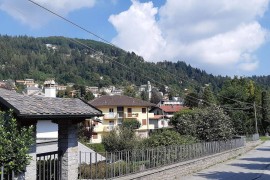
(166, 138)
(15, 142)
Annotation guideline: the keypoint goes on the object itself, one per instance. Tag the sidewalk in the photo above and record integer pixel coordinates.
(253, 165)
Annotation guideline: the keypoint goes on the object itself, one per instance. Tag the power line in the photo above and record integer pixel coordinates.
(104, 40)
(69, 21)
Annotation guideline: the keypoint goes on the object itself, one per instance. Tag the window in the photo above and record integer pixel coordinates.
(111, 110)
(95, 136)
(143, 110)
(144, 122)
(129, 110)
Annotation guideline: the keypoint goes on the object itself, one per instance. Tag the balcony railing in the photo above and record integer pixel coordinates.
(98, 128)
(111, 116)
(131, 115)
(108, 128)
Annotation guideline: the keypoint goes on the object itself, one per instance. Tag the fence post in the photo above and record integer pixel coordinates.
(2, 172)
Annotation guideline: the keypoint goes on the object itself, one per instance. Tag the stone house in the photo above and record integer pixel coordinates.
(65, 112)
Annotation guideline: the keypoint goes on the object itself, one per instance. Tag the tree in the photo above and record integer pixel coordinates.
(144, 96)
(15, 142)
(208, 97)
(120, 139)
(131, 124)
(191, 100)
(163, 89)
(88, 96)
(265, 111)
(130, 91)
(208, 124)
(166, 138)
(155, 97)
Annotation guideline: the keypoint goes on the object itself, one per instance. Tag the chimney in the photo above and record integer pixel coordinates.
(50, 89)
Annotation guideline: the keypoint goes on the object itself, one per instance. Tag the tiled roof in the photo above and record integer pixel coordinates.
(27, 106)
(172, 108)
(118, 100)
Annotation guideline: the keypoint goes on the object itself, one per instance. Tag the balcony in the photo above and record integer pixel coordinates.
(110, 116)
(98, 128)
(131, 115)
(108, 128)
(145, 127)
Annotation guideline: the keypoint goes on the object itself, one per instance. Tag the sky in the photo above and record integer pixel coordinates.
(221, 37)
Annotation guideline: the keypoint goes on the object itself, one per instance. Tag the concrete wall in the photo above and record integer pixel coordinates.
(47, 129)
(175, 171)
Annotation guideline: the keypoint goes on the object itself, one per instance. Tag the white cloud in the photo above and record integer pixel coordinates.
(221, 36)
(137, 29)
(34, 16)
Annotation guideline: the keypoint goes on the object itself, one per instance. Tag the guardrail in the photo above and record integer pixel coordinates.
(122, 163)
(252, 137)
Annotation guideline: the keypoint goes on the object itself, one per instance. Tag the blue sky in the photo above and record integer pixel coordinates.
(222, 37)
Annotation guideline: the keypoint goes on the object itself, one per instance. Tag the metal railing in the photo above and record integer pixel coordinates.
(6, 174)
(115, 164)
(49, 165)
(252, 137)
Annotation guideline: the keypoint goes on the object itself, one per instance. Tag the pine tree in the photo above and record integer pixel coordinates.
(208, 97)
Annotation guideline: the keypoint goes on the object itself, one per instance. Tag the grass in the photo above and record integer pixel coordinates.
(96, 147)
(264, 138)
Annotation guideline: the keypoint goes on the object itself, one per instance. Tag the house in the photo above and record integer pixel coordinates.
(163, 113)
(117, 109)
(33, 91)
(147, 88)
(64, 112)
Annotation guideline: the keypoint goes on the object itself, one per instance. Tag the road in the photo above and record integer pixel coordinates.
(254, 165)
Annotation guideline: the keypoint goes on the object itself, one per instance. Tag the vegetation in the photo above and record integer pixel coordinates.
(15, 142)
(208, 124)
(237, 97)
(97, 147)
(131, 124)
(28, 57)
(166, 138)
(120, 139)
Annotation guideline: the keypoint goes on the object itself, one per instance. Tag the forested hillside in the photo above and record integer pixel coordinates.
(91, 63)
(68, 61)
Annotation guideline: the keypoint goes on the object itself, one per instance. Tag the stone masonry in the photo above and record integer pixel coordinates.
(68, 144)
(175, 171)
(31, 169)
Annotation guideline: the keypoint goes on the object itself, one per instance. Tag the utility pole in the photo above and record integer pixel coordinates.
(255, 116)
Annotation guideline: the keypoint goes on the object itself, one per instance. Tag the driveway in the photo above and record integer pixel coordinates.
(254, 165)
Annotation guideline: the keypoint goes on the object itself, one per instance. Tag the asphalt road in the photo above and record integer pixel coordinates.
(254, 165)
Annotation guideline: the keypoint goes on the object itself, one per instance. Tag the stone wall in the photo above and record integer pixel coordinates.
(174, 171)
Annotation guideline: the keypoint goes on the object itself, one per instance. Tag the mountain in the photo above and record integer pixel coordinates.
(88, 62)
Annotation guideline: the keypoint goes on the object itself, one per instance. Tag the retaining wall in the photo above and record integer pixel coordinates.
(175, 171)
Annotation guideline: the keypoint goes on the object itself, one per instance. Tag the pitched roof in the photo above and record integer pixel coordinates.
(45, 107)
(158, 117)
(170, 108)
(118, 100)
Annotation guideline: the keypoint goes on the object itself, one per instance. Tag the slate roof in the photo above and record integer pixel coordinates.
(42, 107)
(117, 100)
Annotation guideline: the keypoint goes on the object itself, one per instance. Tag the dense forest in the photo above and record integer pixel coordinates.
(92, 63)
